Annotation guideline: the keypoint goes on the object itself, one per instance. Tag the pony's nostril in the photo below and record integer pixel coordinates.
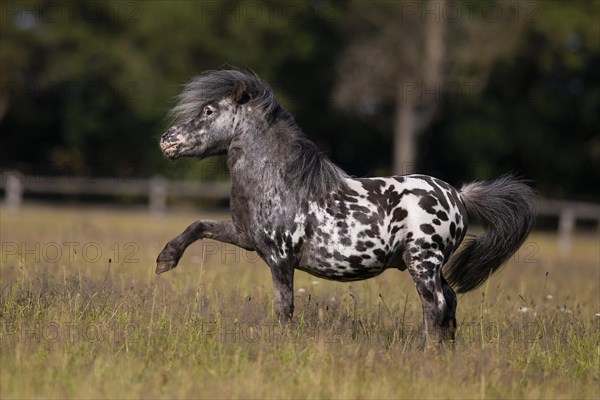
(168, 133)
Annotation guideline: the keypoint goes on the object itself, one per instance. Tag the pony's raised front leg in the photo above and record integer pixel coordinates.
(223, 231)
(283, 288)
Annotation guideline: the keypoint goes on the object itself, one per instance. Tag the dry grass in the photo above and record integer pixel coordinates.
(73, 324)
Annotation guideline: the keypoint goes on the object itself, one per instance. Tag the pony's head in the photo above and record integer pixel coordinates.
(213, 109)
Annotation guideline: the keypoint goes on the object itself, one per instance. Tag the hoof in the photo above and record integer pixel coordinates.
(164, 266)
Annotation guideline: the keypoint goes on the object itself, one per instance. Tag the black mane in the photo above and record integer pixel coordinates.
(306, 169)
(213, 86)
(310, 171)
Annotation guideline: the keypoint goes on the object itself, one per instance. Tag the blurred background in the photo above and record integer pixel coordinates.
(461, 90)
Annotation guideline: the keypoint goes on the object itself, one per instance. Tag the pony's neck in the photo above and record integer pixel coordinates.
(281, 156)
(260, 147)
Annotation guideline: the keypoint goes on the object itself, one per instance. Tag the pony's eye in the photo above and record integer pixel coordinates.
(208, 110)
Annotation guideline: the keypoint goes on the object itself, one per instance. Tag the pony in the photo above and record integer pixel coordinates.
(298, 210)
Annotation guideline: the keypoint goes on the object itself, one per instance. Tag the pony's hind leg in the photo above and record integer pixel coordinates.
(449, 321)
(425, 267)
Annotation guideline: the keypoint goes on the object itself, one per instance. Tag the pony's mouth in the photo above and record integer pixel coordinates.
(170, 149)
(177, 150)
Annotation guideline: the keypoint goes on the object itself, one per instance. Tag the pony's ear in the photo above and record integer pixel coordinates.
(239, 94)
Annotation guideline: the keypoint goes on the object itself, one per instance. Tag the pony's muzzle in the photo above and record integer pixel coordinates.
(169, 143)
(168, 133)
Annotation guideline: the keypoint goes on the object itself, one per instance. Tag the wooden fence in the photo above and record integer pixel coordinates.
(158, 190)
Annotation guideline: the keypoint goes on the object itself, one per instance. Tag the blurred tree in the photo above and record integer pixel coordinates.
(88, 84)
(513, 91)
(397, 54)
(71, 84)
(499, 86)
(539, 113)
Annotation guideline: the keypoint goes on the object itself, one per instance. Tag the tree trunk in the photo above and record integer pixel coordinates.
(425, 95)
(405, 141)
(435, 51)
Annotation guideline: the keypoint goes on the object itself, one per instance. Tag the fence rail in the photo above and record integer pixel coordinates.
(158, 190)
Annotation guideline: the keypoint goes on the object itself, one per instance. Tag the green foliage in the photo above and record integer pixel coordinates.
(90, 83)
(87, 86)
(536, 116)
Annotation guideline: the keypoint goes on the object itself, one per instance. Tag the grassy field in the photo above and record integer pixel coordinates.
(82, 315)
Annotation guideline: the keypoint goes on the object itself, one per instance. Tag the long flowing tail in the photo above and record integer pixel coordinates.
(506, 208)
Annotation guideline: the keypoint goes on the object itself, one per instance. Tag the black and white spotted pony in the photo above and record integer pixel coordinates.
(297, 210)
